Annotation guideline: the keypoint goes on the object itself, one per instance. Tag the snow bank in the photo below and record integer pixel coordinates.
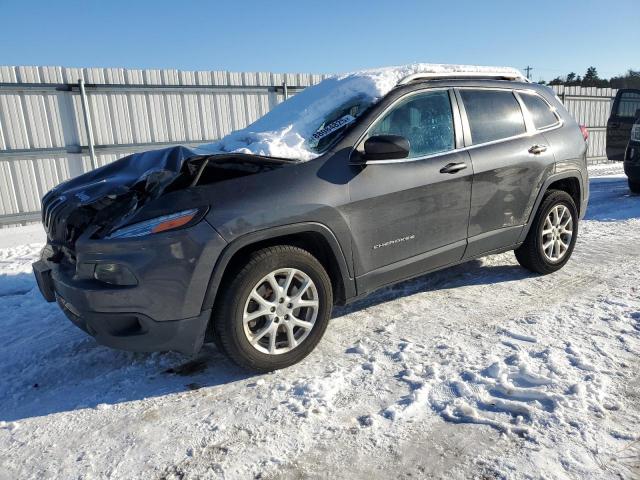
(284, 131)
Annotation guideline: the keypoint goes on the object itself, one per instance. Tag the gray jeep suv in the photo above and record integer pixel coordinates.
(164, 250)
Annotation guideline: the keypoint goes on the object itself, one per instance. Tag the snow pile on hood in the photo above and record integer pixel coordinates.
(285, 130)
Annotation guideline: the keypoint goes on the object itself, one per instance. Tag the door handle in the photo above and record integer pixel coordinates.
(538, 149)
(453, 167)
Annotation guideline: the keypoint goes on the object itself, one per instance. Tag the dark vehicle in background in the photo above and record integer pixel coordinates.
(632, 157)
(166, 249)
(623, 113)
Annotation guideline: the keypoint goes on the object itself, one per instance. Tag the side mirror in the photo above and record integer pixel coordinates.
(385, 147)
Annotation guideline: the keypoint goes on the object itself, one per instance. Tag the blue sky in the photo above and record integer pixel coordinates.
(554, 37)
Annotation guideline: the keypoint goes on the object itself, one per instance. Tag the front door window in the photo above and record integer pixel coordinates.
(425, 119)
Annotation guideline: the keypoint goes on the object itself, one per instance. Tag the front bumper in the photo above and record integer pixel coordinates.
(138, 333)
(162, 312)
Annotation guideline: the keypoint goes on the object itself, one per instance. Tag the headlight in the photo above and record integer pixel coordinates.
(155, 225)
(635, 132)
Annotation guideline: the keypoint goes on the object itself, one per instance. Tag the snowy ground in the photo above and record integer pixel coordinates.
(480, 371)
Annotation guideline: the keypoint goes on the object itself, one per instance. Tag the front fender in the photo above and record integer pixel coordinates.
(273, 233)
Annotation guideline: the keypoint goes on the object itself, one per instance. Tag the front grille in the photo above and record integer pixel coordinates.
(45, 205)
(49, 204)
(55, 210)
(65, 218)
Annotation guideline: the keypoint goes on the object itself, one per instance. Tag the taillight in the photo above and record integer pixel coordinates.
(585, 132)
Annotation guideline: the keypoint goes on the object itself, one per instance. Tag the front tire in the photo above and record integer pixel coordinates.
(634, 186)
(552, 235)
(274, 310)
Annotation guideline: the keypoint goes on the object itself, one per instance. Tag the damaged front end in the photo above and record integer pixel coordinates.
(108, 198)
(111, 277)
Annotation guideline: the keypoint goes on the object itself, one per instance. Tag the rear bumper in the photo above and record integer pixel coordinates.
(164, 311)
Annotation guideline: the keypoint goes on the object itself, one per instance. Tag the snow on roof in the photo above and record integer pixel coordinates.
(286, 130)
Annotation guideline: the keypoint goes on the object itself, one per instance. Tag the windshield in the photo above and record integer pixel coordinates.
(336, 123)
(304, 126)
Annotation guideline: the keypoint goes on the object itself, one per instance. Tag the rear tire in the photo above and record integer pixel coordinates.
(634, 186)
(261, 319)
(552, 235)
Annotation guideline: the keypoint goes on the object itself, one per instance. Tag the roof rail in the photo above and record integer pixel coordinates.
(435, 76)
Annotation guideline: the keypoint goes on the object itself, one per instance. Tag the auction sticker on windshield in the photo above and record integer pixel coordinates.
(333, 126)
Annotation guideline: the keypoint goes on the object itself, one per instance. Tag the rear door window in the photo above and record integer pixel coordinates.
(492, 114)
(540, 111)
(628, 104)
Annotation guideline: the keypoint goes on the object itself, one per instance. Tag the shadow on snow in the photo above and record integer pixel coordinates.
(610, 200)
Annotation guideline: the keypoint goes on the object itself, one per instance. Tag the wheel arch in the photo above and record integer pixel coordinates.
(568, 181)
(316, 238)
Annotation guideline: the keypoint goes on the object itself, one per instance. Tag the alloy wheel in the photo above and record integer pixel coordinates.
(557, 231)
(280, 311)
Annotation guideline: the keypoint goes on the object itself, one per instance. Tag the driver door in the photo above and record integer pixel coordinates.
(410, 215)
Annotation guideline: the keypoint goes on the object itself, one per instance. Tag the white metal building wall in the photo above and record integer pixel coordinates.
(44, 141)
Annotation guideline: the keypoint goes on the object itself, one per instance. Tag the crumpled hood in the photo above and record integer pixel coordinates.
(109, 195)
(154, 170)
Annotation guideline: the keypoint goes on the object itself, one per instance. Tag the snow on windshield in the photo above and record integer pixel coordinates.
(305, 125)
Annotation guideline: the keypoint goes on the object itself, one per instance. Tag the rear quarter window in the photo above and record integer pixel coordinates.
(540, 111)
(492, 114)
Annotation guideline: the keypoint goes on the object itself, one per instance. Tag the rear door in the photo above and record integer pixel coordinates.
(509, 159)
(623, 113)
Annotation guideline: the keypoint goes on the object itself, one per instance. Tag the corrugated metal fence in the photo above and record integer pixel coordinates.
(590, 106)
(44, 137)
(43, 132)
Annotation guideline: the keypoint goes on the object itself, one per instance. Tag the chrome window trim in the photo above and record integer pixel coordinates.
(525, 113)
(449, 152)
(529, 126)
(416, 159)
(492, 142)
(514, 137)
(457, 127)
(553, 110)
(501, 140)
